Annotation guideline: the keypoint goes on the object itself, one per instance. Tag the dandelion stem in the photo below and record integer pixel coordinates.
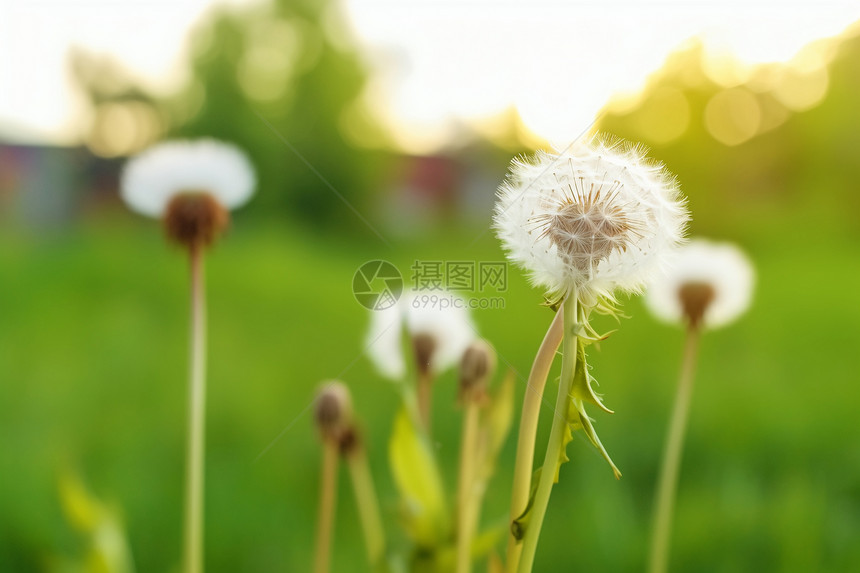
(368, 506)
(667, 483)
(555, 446)
(467, 498)
(325, 517)
(425, 398)
(196, 418)
(524, 464)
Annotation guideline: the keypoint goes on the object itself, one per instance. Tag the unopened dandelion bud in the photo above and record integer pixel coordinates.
(476, 368)
(349, 441)
(333, 410)
(424, 346)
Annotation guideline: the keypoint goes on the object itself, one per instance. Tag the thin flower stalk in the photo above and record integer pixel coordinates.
(424, 397)
(327, 502)
(368, 505)
(194, 479)
(667, 483)
(466, 499)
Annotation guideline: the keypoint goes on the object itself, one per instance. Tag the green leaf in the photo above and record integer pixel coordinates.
(581, 392)
(419, 483)
(582, 389)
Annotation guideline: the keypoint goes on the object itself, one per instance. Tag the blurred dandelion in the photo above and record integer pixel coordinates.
(190, 185)
(710, 285)
(588, 222)
(439, 330)
(477, 366)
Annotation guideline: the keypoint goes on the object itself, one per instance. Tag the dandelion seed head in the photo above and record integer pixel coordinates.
(205, 166)
(708, 284)
(598, 217)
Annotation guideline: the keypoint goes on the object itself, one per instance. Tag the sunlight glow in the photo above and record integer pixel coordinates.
(440, 64)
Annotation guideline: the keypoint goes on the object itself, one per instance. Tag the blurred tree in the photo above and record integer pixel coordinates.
(279, 79)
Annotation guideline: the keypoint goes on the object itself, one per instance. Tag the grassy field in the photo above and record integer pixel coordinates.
(93, 332)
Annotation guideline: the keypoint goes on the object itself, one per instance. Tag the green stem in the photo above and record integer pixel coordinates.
(193, 530)
(368, 507)
(667, 483)
(555, 446)
(466, 495)
(524, 463)
(328, 498)
(425, 399)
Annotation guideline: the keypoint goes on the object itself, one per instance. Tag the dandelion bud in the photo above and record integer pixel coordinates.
(333, 410)
(424, 346)
(349, 441)
(194, 219)
(476, 368)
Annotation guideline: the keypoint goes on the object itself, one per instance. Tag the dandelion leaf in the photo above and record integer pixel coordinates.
(418, 482)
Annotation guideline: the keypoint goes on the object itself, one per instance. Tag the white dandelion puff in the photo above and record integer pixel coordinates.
(439, 332)
(708, 282)
(384, 342)
(152, 179)
(596, 218)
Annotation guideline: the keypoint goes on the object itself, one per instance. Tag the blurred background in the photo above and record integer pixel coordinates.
(380, 130)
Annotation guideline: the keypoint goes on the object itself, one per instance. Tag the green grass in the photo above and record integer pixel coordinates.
(93, 326)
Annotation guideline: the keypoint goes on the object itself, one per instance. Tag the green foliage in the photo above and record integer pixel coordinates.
(424, 508)
(107, 549)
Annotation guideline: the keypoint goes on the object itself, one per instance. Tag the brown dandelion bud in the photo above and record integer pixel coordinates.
(476, 368)
(333, 410)
(194, 219)
(349, 441)
(424, 346)
(695, 298)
